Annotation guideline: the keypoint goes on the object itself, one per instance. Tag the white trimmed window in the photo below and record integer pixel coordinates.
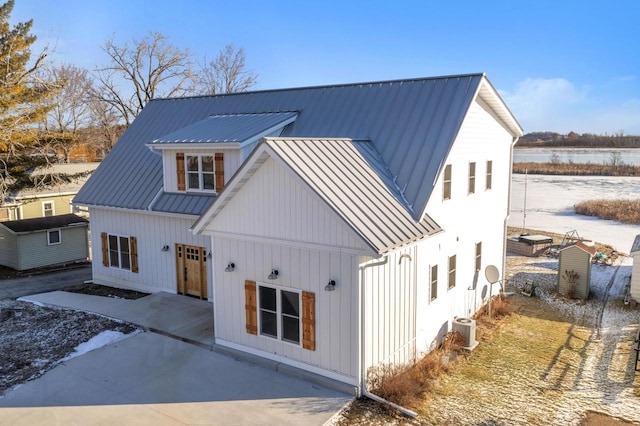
(48, 209)
(434, 282)
(119, 252)
(472, 178)
(489, 174)
(279, 314)
(446, 183)
(452, 271)
(200, 173)
(54, 236)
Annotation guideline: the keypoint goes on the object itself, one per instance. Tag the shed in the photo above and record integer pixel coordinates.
(574, 270)
(44, 241)
(634, 286)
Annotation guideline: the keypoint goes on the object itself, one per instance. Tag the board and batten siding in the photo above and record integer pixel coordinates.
(389, 292)
(300, 269)
(635, 277)
(277, 206)
(232, 161)
(8, 248)
(467, 219)
(34, 252)
(156, 268)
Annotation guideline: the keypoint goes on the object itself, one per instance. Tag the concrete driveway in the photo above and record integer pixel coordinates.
(153, 379)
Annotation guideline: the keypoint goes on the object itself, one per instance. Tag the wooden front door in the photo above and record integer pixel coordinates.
(191, 268)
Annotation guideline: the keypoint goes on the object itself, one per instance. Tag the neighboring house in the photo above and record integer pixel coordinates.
(334, 228)
(51, 200)
(574, 270)
(46, 241)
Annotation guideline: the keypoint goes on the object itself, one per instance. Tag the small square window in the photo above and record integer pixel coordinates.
(54, 237)
(47, 209)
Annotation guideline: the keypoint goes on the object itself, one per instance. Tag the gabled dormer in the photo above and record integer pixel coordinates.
(202, 157)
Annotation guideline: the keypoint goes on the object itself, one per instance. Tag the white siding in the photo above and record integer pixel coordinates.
(275, 205)
(466, 220)
(635, 277)
(157, 269)
(577, 260)
(8, 248)
(389, 312)
(301, 269)
(232, 161)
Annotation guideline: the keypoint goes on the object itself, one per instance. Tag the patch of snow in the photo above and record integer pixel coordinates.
(550, 201)
(34, 302)
(105, 338)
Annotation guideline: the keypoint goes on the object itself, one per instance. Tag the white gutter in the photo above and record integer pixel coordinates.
(363, 375)
(506, 218)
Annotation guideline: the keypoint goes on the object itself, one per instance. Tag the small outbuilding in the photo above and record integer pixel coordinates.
(634, 286)
(574, 270)
(44, 241)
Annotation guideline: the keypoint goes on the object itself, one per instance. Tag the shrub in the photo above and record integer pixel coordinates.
(622, 210)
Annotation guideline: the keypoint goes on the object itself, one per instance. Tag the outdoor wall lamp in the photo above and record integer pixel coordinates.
(331, 286)
(274, 274)
(230, 267)
(165, 248)
(209, 255)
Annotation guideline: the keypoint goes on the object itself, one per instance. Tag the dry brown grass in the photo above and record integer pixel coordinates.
(623, 210)
(576, 169)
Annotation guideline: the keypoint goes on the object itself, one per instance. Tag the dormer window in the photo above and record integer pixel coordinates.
(200, 173)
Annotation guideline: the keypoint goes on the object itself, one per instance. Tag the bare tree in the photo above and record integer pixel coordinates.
(138, 72)
(69, 107)
(226, 74)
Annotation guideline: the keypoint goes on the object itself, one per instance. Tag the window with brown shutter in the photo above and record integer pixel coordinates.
(105, 249)
(134, 254)
(182, 186)
(219, 171)
(250, 305)
(308, 321)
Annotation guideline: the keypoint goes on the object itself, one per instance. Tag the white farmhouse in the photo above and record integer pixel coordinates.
(334, 228)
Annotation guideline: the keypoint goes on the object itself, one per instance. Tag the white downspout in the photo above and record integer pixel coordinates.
(506, 218)
(363, 375)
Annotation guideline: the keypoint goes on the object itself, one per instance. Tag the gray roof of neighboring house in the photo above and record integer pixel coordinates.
(411, 123)
(44, 223)
(226, 128)
(64, 187)
(352, 179)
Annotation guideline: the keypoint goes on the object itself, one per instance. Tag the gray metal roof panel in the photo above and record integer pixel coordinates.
(352, 179)
(411, 123)
(191, 204)
(226, 128)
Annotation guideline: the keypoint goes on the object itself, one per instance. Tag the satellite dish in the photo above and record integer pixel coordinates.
(492, 274)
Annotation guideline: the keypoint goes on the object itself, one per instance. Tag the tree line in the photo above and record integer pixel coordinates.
(575, 140)
(49, 110)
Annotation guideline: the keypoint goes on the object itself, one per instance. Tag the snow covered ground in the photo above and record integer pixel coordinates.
(550, 201)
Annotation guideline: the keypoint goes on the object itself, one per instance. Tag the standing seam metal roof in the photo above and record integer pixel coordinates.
(411, 123)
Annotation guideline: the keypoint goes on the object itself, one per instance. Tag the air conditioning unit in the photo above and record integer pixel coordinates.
(466, 327)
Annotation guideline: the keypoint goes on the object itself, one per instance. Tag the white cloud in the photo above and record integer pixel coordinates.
(558, 105)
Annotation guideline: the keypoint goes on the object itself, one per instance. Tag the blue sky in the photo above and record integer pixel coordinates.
(560, 65)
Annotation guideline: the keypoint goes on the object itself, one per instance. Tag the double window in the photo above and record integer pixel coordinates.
(201, 173)
(119, 252)
(279, 313)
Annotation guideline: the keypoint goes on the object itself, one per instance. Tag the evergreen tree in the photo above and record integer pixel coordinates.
(22, 102)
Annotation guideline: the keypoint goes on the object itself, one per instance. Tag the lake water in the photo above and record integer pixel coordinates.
(578, 155)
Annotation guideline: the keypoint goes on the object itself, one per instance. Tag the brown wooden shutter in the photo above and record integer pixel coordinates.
(308, 321)
(219, 166)
(134, 254)
(251, 307)
(182, 186)
(105, 249)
